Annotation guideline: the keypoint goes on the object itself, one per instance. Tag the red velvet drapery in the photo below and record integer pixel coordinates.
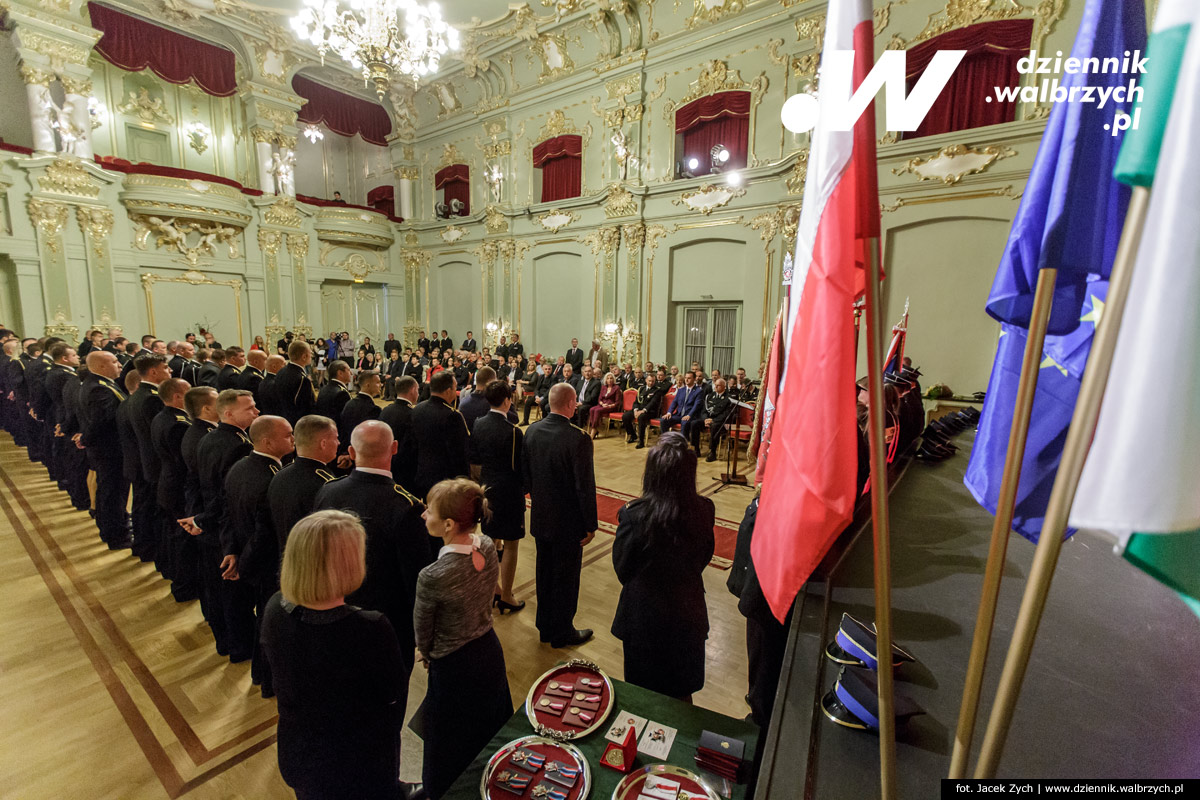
(382, 198)
(993, 49)
(134, 44)
(722, 118)
(456, 181)
(342, 113)
(561, 162)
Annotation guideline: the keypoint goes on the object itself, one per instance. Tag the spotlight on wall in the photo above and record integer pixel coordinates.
(718, 156)
(734, 179)
(693, 164)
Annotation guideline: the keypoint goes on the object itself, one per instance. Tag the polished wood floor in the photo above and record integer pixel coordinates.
(112, 690)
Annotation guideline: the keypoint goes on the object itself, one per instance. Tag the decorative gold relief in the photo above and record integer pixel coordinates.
(961, 13)
(795, 181)
(450, 155)
(283, 212)
(195, 278)
(49, 217)
(943, 197)
(68, 176)
(273, 64)
(619, 202)
(619, 87)
(811, 29)
(324, 252)
(79, 86)
(59, 53)
(34, 76)
(557, 124)
(146, 107)
(358, 267)
(773, 52)
(709, 197)
(62, 326)
(551, 50)
(447, 99)
(634, 234)
(452, 233)
(555, 220)
(493, 151)
(715, 76)
(297, 246)
(712, 10)
(175, 234)
(408, 172)
(951, 164)
(494, 220)
(96, 224)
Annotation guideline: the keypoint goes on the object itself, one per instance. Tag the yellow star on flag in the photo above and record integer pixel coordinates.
(1097, 311)
(1050, 362)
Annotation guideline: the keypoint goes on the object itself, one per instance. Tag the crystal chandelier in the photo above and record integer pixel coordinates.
(372, 36)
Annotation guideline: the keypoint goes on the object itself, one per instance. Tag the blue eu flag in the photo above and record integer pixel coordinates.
(1070, 218)
(1071, 212)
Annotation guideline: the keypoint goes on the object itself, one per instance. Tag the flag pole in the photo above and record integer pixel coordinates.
(879, 519)
(1002, 525)
(1066, 482)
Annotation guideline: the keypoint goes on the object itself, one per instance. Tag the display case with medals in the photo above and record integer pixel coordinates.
(536, 768)
(570, 701)
(663, 782)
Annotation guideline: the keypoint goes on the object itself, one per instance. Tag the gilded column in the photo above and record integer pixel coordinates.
(297, 245)
(269, 242)
(96, 223)
(487, 253)
(49, 218)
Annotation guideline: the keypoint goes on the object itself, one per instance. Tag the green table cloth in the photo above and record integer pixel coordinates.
(688, 720)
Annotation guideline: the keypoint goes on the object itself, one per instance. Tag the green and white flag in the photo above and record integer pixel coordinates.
(1141, 480)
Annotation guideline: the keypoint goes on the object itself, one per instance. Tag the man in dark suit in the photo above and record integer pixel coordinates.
(397, 542)
(469, 344)
(571, 376)
(390, 372)
(293, 388)
(645, 408)
(390, 346)
(141, 518)
(536, 389)
(248, 536)
(423, 342)
(719, 406)
(267, 396)
(473, 405)
(502, 350)
(574, 356)
(175, 358)
(334, 395)
(557, 461)
(218, 452)
(35, 377)
(398, 417)
(515, 348)
(589, 394)
(446, 343)
(100, 400)
(442, 435)
(361, 407)
(210, 370)
(65, 360)
(252, 374)
(688, 403)
(189, 368)
(200, 402)
(293, 491)
(562, 373)
(230, 376)
(167, 430)
(75, 461)
(144, 405)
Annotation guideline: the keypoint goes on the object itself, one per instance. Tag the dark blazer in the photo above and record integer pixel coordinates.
(188, 371)
(422, 342)
(575, 358)
(294, 393)
(131, 460)
(575, 381)
(592, 395)
(266, 396)
(359, 408)
(398, 416)
(292, 493)
(496, 445)
(99, 400)
(662, 575)
(176, 364)
(166, 436)
(248, 531)
(332, 397)
(193, 497)
(559, 476)
(70, 408)
(397, 546)
(500, 353)
(56, 378)
(217, 454)
(446, 344)
(472, 407)
(718, 407)
(208, 375)
(650, 398)
(250, 379)
(442, 438)
(35, 381)
(469, 345)
(144, 405)
(517, 349)
(391, 346)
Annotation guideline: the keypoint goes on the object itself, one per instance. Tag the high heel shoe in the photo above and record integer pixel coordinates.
(509, 607)
(495, 599)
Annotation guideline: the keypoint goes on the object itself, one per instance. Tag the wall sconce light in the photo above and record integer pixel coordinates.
(313, 134)
(198, 136)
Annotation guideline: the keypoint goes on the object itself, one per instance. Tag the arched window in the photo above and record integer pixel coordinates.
(561, 161)
(454, 182)
(993, 49)
(716, 119)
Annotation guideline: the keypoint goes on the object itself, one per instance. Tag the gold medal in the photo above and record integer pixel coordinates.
(574, 710)
(553, 684)
(545, 702)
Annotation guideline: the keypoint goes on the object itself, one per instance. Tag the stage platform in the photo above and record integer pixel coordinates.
(1110, 691)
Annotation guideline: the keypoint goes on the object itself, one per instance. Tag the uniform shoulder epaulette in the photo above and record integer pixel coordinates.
(400, 490)
(181, 418)
(329, 477)
(581, 430)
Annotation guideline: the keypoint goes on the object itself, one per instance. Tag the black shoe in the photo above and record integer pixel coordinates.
(267, 692)
(123, 543)
(238, 658)
(711, 457)
(577, 637)
(509, 607)
(413, 791)
(630, 439)
(640, 445)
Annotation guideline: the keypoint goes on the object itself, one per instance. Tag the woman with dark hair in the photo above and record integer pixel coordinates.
(663, 543)
(496, 446)
(468, 698)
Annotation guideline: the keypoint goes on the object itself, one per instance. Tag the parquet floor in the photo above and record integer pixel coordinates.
(112, 690)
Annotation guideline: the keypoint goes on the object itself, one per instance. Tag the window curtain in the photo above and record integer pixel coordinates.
(722, 118)
(342, 113)
(993, 49)
(134, 44)
(456, 181)
(382, 198)
(560, 160)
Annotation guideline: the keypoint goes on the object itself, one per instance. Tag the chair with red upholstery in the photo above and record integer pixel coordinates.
(662, 411)
(629, 397)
